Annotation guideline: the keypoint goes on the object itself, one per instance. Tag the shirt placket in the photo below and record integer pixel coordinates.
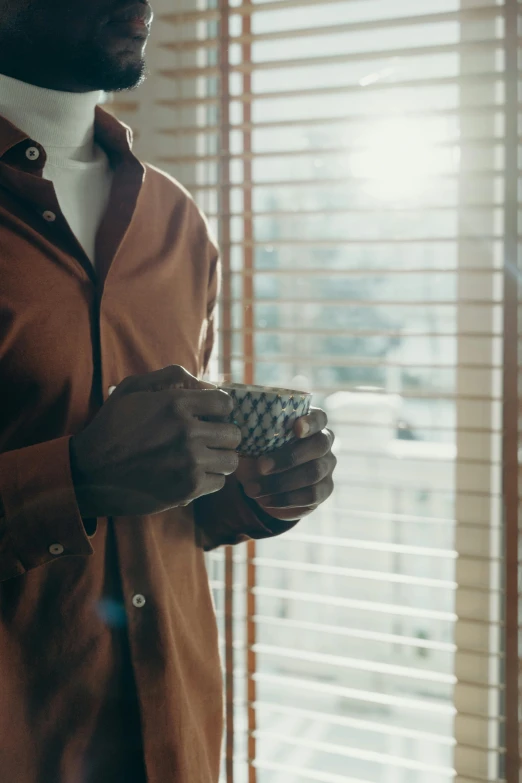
(21, 172)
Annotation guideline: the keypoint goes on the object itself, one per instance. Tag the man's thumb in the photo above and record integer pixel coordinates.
(171, 377)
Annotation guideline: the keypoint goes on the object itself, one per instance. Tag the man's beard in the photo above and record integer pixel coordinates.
(87, 63)
(92, 67)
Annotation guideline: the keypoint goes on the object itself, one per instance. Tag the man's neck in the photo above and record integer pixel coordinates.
(59, 82)
(51, 117)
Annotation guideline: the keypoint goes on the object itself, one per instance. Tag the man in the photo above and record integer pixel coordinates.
(109, 664)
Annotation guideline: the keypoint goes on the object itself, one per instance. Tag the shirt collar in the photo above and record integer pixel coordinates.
(110, 133)
(113, 135)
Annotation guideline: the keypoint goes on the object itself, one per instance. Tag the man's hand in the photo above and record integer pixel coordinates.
(161, 440)
(293, 481)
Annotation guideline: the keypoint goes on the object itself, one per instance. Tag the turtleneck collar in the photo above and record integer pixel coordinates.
(54, 119)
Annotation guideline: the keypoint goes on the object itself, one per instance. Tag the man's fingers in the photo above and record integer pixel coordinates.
(298, 478)
(219, 435)
(214, 482)
(296, 453)
(203, 402)
(308, 497)
(313, 422)
(219, 461)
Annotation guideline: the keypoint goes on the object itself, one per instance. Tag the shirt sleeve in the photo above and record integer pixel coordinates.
(39, 516)
(228, 516)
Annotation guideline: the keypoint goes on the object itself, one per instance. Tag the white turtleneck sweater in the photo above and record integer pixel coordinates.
(63, 123)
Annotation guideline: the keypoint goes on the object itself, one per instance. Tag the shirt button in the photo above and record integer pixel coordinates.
(56, 549)
(111, 389)
(138, 600)
(49, 216)
(32, 153)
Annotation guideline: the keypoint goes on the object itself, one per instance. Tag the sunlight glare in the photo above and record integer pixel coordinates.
(398, 158)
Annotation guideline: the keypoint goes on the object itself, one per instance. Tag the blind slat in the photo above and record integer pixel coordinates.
(360, 665)
(494, 143)
(362, 273)
(212, 14)
(320, 777)
(282, 332)
(480, 47)
(382, 759)
(348, 120)
(489, 174)
(357, 724)
(358, 210)
(355, 633)
(477, 14)
(356, 694)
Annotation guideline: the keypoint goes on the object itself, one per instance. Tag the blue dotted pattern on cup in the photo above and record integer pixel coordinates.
(266, 420)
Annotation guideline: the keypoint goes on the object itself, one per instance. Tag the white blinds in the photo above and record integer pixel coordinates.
(358, 159)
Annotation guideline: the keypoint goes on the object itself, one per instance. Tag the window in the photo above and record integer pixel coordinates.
(358, 160)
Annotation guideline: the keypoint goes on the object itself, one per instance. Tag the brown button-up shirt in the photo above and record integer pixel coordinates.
(109, 664)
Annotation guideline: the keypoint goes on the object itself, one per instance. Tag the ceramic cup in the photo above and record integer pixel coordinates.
(265, 415)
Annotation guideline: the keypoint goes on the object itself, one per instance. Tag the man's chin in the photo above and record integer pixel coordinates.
(118, 78)
(125, 80)
(110, 70)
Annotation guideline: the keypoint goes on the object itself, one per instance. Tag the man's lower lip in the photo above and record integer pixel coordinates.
(133, 29)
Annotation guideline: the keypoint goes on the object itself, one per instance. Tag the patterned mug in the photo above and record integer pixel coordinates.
(265, 415)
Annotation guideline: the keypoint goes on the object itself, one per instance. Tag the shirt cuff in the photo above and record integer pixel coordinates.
(231, 517)
(38, 505)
